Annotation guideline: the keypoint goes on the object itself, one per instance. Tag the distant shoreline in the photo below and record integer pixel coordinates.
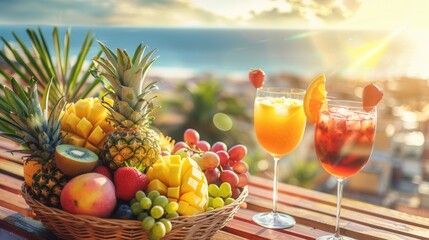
(231, 51)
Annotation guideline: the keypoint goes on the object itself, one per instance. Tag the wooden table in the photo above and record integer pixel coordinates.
(314, 212)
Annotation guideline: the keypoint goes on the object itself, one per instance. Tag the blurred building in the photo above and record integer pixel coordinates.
(398, 174)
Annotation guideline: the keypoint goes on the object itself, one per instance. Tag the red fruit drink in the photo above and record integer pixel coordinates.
(344, 140)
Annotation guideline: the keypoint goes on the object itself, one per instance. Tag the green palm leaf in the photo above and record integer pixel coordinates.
(70, 81)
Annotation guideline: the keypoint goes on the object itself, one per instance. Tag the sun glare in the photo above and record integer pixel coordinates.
(301, 35)
(418, 64)
(368, 54)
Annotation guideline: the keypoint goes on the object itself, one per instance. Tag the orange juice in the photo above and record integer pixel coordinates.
(279, 124)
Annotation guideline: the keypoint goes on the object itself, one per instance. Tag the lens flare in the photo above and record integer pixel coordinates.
(222, 121)
(368, 55)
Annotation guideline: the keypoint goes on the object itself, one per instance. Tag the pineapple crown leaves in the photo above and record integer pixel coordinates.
(124, 72)
(28, 121)
(123, 78)
(122, 114)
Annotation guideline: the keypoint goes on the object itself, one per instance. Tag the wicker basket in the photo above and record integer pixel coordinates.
(69, 226)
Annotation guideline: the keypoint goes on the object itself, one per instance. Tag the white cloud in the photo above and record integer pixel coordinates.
(347, 14)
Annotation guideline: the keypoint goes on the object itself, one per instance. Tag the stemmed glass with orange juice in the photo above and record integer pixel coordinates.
(279, 121)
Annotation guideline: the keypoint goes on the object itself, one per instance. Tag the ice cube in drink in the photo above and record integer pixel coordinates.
(344, 141)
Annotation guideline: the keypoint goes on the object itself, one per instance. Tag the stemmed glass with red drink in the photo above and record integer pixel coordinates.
(344, 139)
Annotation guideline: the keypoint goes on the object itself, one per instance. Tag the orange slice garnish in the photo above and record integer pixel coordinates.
(315, 99)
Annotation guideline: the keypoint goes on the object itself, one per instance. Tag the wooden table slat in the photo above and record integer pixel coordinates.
(5, 153)
(314, 212)
(23, 226)
(303, 194)
(12, 168)
(297, 230)
(14, 202)
(252, 231)
(11, 184)
(312, 233)
(325, 216)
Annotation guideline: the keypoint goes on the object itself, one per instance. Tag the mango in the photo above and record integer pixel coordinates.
(161, 172)
(157, 185)
(70, 109)
(90, 147)
(175, 159)
(69, 123)
(181, 180)
(74, 140)
(90, 194)
(96, 135)
(85, 124)
(174, 176)
(190, 210)
(191, 198)
(173, 192)
(84, 127)
(189, 186)
(97, 113)
(183, 205)
(83, 107)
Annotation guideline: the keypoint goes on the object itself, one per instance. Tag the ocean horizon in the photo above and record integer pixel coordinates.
(355, 54)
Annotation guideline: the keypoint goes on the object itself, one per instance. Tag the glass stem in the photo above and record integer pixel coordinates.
(276, 160)
(339, 196)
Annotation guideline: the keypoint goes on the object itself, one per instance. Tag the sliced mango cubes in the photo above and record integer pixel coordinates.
(84, 124)
(182, 181)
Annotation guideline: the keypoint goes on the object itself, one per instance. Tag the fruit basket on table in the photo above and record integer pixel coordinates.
(61, 141)
(71, 226)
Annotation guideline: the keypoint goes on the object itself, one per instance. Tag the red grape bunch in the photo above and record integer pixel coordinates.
(219, 163)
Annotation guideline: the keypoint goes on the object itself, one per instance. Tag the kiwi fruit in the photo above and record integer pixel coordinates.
(73, 160)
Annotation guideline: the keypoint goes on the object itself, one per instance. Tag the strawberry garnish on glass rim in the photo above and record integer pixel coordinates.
(256, 77)
(371, 95)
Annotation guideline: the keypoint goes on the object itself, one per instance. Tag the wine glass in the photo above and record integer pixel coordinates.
(344, 139)
(279, 120)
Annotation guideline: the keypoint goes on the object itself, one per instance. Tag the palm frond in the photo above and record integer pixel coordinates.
(69, 80)
(19, 59)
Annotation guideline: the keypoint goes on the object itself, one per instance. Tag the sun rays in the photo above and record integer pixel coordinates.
(367, 55)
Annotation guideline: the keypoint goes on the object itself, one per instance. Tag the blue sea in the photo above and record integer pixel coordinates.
(359, 54)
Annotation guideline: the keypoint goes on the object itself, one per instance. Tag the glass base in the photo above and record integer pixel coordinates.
(332, 237)
(274, 220)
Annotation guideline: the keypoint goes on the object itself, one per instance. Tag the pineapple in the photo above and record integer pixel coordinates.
(85, 124)
(48, 184)
(32, 127)
(166, 143)
(58, 77)
(69, 77)
(133, 141)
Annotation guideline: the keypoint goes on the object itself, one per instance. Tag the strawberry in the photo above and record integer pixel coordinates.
(256, 77)
(371, 95)
(103, 170)
(128, 180)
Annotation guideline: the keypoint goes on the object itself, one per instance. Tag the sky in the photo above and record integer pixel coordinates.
(288, 14)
